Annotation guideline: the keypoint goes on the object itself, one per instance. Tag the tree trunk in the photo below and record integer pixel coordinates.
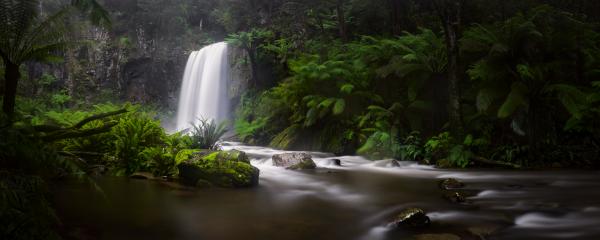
(396, 18)
(450, 15)
(341, 20)
(254, 66)
(11, 79)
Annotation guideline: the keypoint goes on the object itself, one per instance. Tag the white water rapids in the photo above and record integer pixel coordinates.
(517, 205)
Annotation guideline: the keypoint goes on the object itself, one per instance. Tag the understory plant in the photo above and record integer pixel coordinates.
(205, 133)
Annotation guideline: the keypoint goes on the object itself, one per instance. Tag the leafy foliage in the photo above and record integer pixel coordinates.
(205, 133)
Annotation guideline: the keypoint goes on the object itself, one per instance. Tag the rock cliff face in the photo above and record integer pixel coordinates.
(142, 57)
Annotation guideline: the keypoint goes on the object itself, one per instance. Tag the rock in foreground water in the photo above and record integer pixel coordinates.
(411, 218)
(454, 196)
(294, 161)
(450, 183)
(229, 169)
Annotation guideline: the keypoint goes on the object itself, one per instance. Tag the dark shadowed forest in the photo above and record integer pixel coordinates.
(170, 119)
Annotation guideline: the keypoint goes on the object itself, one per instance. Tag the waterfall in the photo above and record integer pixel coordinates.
(204, 87)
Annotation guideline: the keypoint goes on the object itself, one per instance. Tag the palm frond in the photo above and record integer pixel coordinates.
(515, 99)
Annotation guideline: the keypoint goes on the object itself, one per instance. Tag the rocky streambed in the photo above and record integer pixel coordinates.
(332, 197)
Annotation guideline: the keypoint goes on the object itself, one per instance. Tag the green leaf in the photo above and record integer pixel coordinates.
(339, 106)
(347, 88)
(468, 140)
(570, 96)
(514, 100)
(327, 102)
(311, 117)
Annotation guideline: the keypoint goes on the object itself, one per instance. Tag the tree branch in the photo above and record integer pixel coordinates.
(97, 117)
(496, 163)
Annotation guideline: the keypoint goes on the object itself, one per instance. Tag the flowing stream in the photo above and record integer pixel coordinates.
(351, 201)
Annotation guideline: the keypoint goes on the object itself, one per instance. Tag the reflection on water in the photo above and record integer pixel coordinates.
(351, 201)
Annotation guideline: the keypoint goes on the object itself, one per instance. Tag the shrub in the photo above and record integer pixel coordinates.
(131, 137)
(206, 133)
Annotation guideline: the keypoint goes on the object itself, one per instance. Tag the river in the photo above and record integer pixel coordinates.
(351, 201)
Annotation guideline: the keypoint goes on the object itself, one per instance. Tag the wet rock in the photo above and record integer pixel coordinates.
(387, 163)
(201, 183)
(454, 196)
(336, 162)
(410, 218)
(483, 232)
(229, 169)
(294, 161)
(444, 163)
(142, 175)
(450, 183)
(440, 236)
(235, 155)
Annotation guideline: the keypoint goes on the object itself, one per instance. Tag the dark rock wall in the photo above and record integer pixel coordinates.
(142, 56)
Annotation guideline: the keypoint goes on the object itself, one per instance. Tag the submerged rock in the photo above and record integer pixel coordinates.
(387, 163)
(230, 169)
(454, 196)
(439, 236)
(294, 161)
(483, 232)
(411, 218)
(450, 183)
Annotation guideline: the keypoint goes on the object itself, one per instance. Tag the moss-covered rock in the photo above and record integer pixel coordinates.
(450, 183)
(230, 169)
(410, 218)
(294, 161)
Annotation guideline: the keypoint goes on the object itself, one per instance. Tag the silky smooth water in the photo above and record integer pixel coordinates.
(352, 201)
(204, 88)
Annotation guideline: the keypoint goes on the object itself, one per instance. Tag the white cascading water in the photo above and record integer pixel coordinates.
(204, 89)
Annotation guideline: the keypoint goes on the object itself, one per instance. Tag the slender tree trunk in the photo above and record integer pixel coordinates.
(11, 79)
(254, 66)
(450, 16)
(341, 20)
(396, 16)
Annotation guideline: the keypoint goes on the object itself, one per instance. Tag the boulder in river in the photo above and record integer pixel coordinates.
(410, 218)
(230, 169)
(450, 183)
(454, 196)
(294, 161)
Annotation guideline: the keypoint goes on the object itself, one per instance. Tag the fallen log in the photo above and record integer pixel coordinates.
(496, 163)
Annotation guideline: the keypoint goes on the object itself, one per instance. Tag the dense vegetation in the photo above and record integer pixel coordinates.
(447, 82)
(453, 82)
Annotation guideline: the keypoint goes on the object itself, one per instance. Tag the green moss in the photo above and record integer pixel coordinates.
(184, 155)
(304, 165)
(223, 169)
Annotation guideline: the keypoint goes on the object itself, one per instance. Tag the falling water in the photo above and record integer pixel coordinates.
(204, 88)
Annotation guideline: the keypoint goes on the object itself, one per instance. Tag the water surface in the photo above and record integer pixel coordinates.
(352, 201)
